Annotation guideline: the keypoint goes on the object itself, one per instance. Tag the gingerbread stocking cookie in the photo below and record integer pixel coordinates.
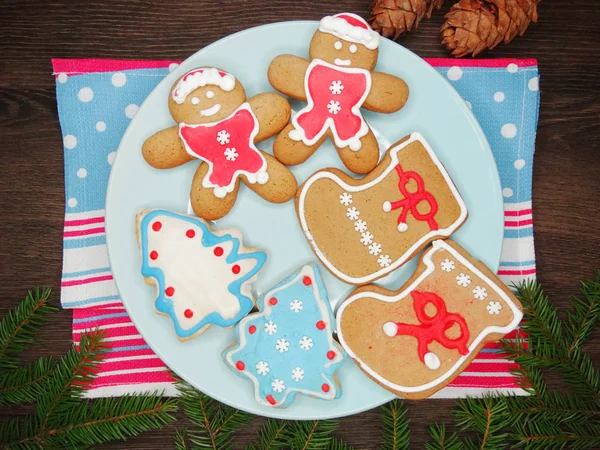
(362, 230)
(336, 83)
(220, 127)
(416, 340)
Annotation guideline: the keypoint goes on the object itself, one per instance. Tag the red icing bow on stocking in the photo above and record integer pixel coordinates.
(432, 328)
(411, 201)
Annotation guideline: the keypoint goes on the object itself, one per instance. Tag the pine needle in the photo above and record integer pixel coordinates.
(180, 440)
(18, 326)
(395, 433)
(25, 384)
(270, 436)
(442, 441)
(585, 315)
(310, 435)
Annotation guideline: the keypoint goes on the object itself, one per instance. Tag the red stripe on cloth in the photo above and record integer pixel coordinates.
(75, 223)
(86, 281)
(126, 330)
(134, 342)
(79, 326)
(485, 382)
(95, 311)
(495, 367)
(132, 364)
(489, 63)
(518, 223)
(521, 212)
(517, 272)
(164, 376)
(83, 232)
(89, 65)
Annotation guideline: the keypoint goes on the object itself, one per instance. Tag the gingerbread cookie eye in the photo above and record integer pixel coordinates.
(195, 100)
(353, 48)
(210, 94)
(337, 45)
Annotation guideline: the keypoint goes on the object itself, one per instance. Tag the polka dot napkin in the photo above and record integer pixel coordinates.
(96, 101)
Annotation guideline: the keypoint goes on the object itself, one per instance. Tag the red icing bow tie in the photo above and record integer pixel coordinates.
(412, 199)
(432, 328)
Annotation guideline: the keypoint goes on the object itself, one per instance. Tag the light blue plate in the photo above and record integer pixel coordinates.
(434, 109)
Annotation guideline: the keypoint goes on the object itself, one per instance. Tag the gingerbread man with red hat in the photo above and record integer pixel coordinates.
(217, 125)
(336, 83)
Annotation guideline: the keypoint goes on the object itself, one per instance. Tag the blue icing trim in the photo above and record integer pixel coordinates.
(166, 305)
(288, 346)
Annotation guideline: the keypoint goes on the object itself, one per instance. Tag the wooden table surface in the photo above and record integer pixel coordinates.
(567, 160)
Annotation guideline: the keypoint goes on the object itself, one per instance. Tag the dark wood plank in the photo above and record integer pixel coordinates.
(567, 161)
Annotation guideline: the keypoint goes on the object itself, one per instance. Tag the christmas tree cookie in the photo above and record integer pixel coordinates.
(202, 277)
(364, 229)
(287, 347)
(416, 340)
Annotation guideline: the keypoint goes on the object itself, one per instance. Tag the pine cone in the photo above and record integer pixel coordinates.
(475, 25)
(396, 17)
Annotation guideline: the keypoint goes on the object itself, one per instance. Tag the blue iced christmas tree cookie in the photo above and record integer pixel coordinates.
(202, 277)
(287, 347)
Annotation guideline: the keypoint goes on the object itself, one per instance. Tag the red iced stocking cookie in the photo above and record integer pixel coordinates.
(416, 340)
(361, 230)
(220, 127)
(336, 83)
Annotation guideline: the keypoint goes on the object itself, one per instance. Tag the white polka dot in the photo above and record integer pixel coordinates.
(455, 73)
(131, 110)
(507, 192)
(119, 79)
(512, 68)
(499, 97)
(82, 173)
(72, 202)
(173, 66)
(534, 84)
(111, 157)
(101, 126)
(337, 45)
(469, 105)
(70, 141)
(62, 77)
(85, 94)
(519, 164)
(509, 130)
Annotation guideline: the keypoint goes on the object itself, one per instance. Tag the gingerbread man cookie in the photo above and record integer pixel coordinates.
(416, 340)
(336, 83)
(362, 230)
(220, 127)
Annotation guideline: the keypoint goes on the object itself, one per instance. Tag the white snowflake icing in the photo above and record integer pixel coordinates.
(296, 305)
(333, 107)
(494, 307)
(271, 328)
(384, 260)
(297, 374)
(353, 213)
(346, 199)
(360, 226)
(305, 343)
(278, 385)
(463, 280)
(282, 345)
(231, 154)
(480, 293)
(262, 368)
(375, 248)
(366, 238)
(336, 87)
(447, 265)
(223, 137)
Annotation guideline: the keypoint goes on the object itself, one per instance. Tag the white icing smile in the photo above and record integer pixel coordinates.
(211, 111)
(342, 62)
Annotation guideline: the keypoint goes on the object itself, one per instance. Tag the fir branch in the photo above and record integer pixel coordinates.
(25, 384)
(19, 325)
(338, 444)
(310, 435)
(180, 439)
(441, 441)
(488, 418)
(271, 435)
(543, 435)
(394, 433)
(585, 315)
(558, 408)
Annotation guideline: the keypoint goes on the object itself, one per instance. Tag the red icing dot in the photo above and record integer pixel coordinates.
(190, 233)
(240, 365)
(321, 325)
(153, 254)
(370, 347)
(307, 281)
(330, 354)
(236, 269)
(325, 387)
(218, 251)
(270, 399)
(170, 291)
(251, 329)
(188, 313)
(156, 226)
(273, 301)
